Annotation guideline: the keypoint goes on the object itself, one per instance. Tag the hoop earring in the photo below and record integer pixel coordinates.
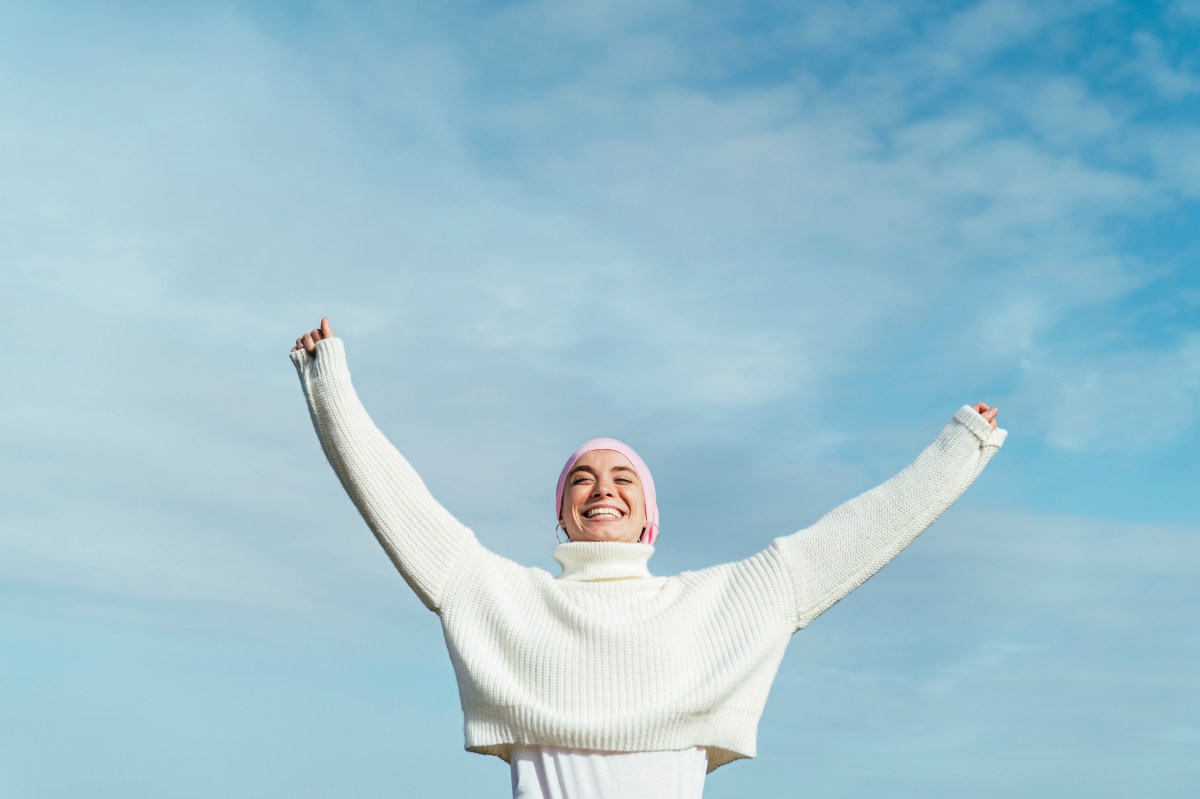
(558, 527)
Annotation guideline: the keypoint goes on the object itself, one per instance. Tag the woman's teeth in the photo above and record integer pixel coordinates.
(606, 513)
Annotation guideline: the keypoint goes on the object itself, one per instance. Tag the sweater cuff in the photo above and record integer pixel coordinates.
(329, 361)
(982, 428)
(300, 359)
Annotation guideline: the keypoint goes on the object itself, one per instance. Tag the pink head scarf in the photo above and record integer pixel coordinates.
(650, 534)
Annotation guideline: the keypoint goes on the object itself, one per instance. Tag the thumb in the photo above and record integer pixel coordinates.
(326, 329)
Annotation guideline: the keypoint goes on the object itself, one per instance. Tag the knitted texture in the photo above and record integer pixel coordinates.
(592, 659)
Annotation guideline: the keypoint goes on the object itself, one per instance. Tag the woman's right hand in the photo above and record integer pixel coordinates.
(309, 340)
(987, 412)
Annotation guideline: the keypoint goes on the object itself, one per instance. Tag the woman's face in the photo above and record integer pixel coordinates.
(603, 499)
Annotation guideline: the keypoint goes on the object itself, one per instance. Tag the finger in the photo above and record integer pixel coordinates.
(315, 333)
(326, 328)
(309, 344)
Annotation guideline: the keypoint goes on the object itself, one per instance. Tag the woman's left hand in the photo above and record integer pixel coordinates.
(308, 342)
(987, 412)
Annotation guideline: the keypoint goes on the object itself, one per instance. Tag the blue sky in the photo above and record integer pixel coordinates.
(774, 246)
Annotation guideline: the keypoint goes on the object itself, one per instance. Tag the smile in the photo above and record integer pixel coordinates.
(602, 513)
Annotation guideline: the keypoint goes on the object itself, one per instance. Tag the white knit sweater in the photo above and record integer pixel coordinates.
(588, 661)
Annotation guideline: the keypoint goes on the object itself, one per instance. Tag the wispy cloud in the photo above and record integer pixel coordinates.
(1003, 629)
(1171, 81)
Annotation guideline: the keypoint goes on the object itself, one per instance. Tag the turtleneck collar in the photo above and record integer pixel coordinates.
(603, 560)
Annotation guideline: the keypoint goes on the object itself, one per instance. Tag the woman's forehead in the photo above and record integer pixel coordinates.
(603, 459)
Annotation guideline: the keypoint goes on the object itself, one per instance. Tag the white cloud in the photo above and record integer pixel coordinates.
(1175, 154)
(588, 20)
(1003, 631)
(1131, 391)
(1065, 113)
(1172, 82)
(1188, 10)
(1134, 399)
(985, 29)
(843, 27)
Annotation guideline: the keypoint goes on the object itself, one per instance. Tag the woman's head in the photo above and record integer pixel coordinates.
(606, 493)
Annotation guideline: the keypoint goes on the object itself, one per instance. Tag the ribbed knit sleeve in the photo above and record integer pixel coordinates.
(423, 540)
(856, 539)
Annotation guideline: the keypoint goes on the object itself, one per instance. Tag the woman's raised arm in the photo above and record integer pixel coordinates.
(425, 542)
(856, 539)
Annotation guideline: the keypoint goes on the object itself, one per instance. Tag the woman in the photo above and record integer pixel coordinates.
(608, 681)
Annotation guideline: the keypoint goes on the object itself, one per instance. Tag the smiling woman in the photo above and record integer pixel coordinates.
(694, 654)
(606, 493)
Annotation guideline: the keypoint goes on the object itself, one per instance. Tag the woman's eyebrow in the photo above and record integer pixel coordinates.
(592, 471)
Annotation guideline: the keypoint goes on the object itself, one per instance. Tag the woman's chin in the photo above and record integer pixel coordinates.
(604, 535)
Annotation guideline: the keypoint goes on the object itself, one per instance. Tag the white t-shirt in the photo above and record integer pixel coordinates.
(554, 772)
